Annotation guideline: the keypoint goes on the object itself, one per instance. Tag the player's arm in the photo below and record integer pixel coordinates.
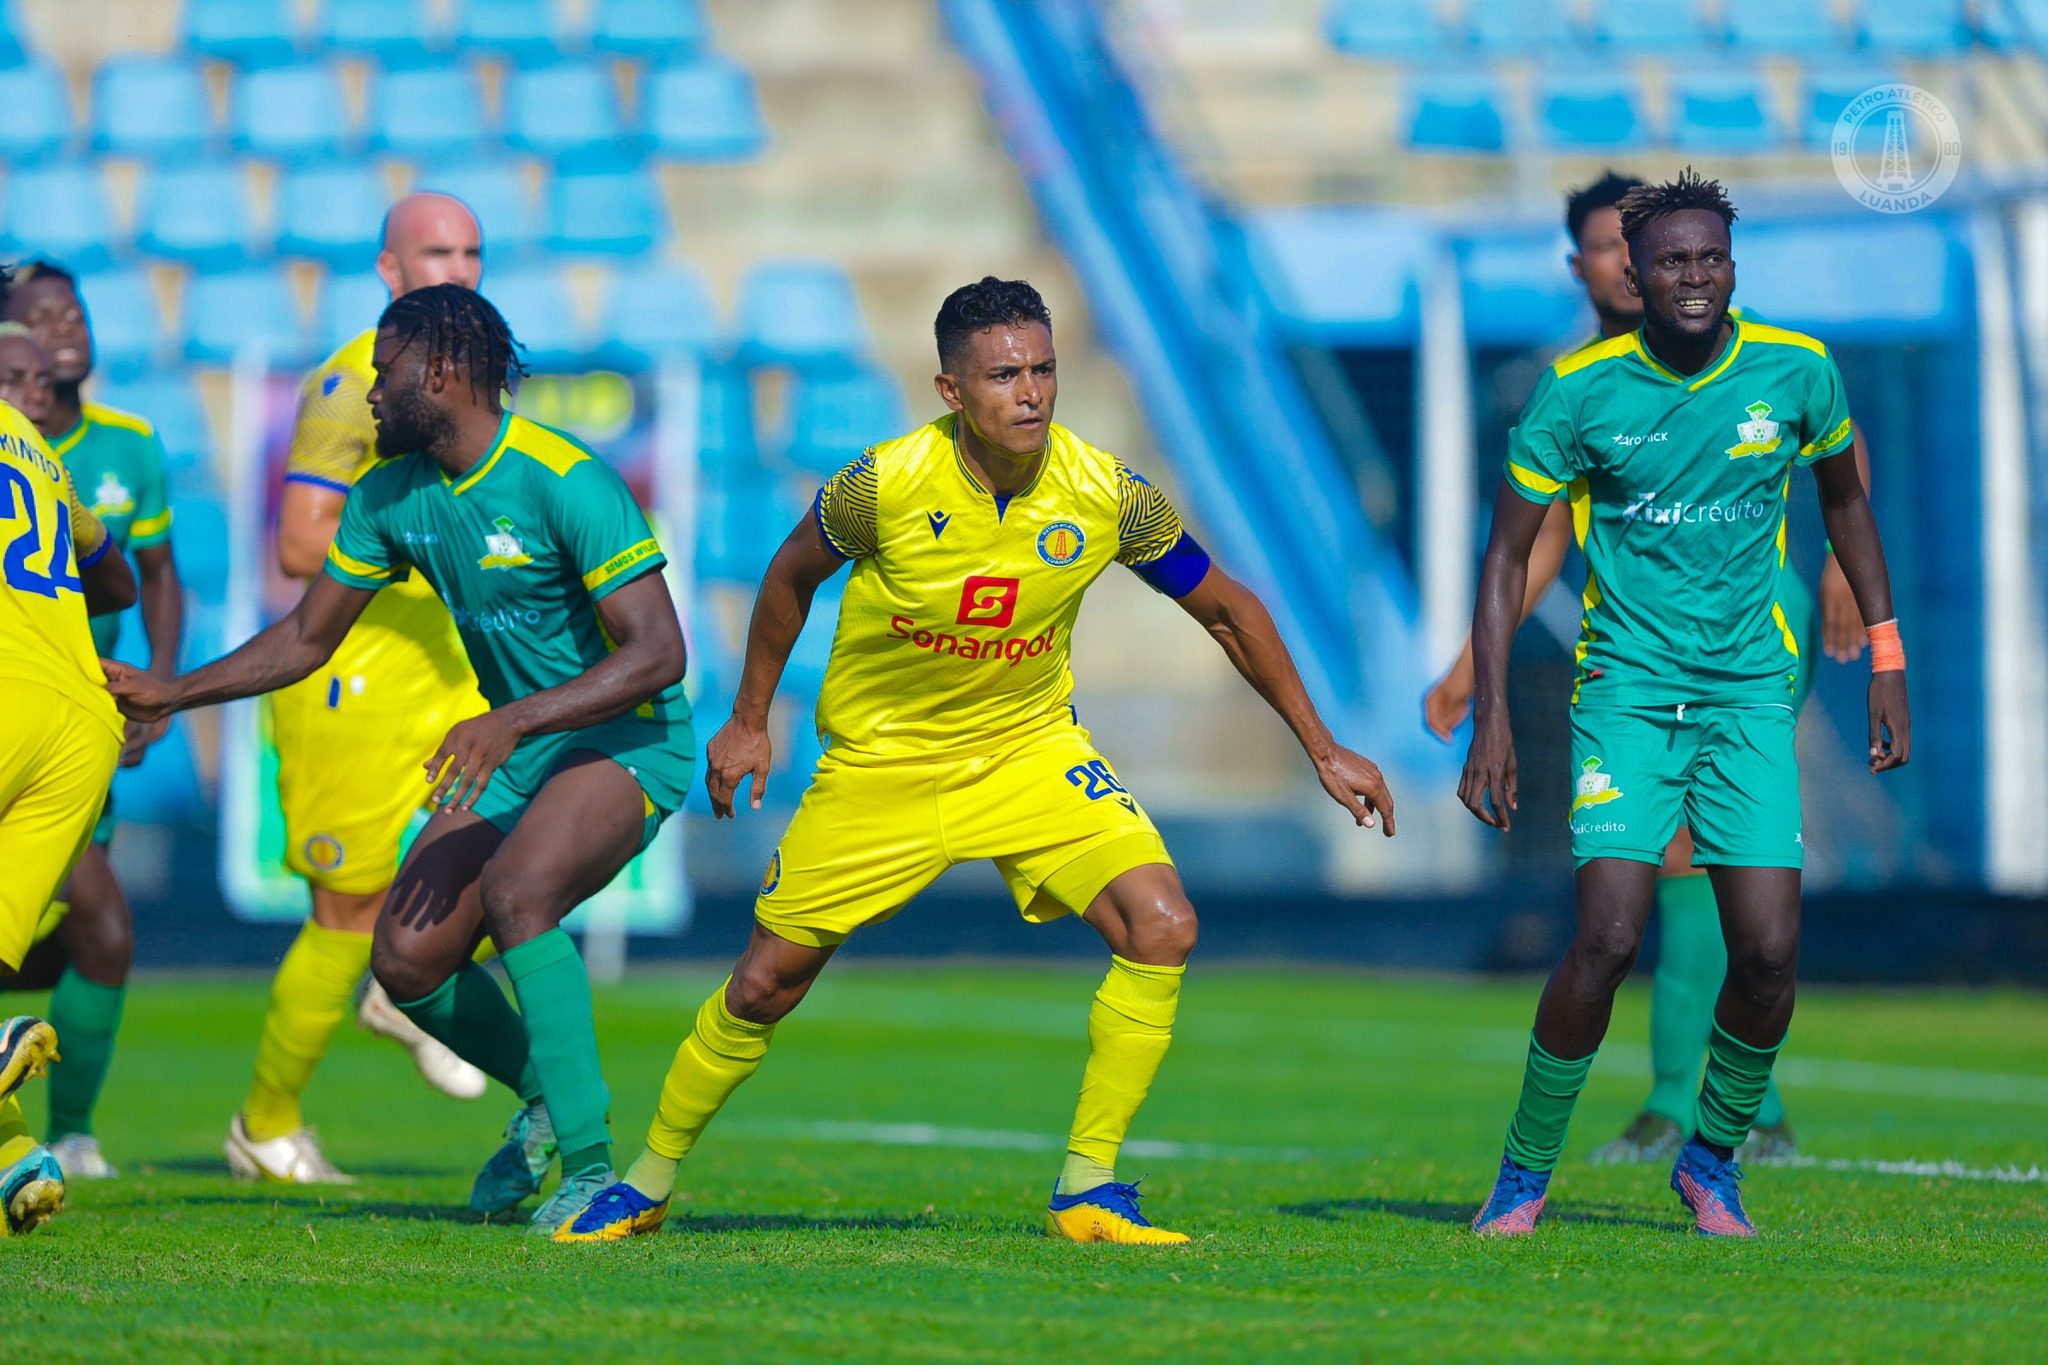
(1490, 774)
(307, 516)
(109, 584)
(329, 442)
(1841, 625)
(1450, 701)
(162, 596)
(1852, 529)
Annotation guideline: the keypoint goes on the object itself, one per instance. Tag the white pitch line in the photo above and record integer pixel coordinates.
(1933, 1170)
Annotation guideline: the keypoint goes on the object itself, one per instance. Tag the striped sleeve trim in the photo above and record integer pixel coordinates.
(146, 531)
(1830, 443)
(623, 562)
(1534, 482)
(349, 565)
(847, 508)
(89, 538)
(1147, 525)
(317, 480)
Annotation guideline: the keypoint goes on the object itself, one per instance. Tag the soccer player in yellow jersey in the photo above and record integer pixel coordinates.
(950, 736)
(59, 739)
(352, 736)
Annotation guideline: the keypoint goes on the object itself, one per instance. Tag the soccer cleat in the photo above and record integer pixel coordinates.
(27, 1047)
(31, 1191)
(1651, 1137)
(1516, 1202)
(80, 1156)
(1712, 1188)
(515, 1171)
(1107, 1213)
(575, 1194)
(618, 1212)
(437, 1066)
(294, 1159)
(1773, 1146)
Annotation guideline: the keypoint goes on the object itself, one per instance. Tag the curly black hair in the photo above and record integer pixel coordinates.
(989, 302)
(463, 327)
(13, 277)
(1603, 193)
(1689, 191)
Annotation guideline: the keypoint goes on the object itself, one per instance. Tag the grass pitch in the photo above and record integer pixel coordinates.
(876, 1191)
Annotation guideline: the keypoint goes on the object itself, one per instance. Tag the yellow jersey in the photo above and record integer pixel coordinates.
(403, 647)
(46, 537)
(955, 633)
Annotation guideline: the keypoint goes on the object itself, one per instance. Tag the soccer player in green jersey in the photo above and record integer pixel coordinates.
(552, 576)
(117, 463)
(1675, 445)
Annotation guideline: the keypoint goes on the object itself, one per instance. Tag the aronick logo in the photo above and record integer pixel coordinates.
(988, 602)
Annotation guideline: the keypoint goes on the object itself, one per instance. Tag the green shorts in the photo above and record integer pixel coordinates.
(661, 756)
(1802, 615)
(103, 829)
(1727, 771)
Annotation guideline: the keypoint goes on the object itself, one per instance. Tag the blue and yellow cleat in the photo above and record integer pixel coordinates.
(31, 1192)
(1711, 1187)
(27, 1047)
(1107, 1213)
(618, 1212)
(1516, 1202)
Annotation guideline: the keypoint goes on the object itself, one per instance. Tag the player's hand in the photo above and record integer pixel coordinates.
(1491, 784)
(738, 751)
(475, 749)
(137, 736)
(1445, 706)
(1891, 725)
(1354, 782)
(1841, 620)
(140, 695)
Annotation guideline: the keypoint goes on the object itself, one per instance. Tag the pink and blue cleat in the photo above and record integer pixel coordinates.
(1516, 1202)
(1711, 1186)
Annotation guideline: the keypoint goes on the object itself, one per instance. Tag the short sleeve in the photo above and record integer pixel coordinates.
(362, 555)
(845, 509)
(1543, 449)
(152, 522)
(603, 534)
(89, 539)
(1152, 542)
(1824, 426)
(333, 432)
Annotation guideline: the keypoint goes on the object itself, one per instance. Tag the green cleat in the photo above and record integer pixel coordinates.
(1652, 1137)
(1773, 1146)
(516, 1170)
(571, 1197)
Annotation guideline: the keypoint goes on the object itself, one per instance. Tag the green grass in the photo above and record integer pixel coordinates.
(791, 1241)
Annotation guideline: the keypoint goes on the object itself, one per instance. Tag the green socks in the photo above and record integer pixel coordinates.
(472, 1016)
(1691, 965)
(1737, 1075)
(561, 1036)
(86, 1016)
(1550, 1087)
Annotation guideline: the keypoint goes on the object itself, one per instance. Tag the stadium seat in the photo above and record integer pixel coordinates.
(1385, 28)
(1590, 108)
(1519, 26)
(244, 308)
(1803, 28)
(519, 30)
(1454, 112)
(568, 109)
(167, 397)
(835, 417)
(1726, 111)
(151, 107)
(725, 423)
(657, 311)
(10, 40)
(200, 214)
(497, 194)
(704, 111)
(291, 112)
(1652, 25)
(127, 324)
(429, 111)
(1914, 28)
(348, 306)
(609, 212)
(38, 106)
(742, 517)
(667, 29)
(332, 212)
(249, 33)
(62, 211)
(2014, 25)
(798, 312)
(537, 305)
(394, 32)
(1828, 91)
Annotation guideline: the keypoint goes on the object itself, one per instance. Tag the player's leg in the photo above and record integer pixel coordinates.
(85, 1007)
(309, 997)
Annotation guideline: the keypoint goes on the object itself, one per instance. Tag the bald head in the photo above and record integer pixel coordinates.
(430, 239)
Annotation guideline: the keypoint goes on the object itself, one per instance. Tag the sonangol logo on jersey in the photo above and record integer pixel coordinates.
(1595, 788)
(1759, 434)
(1061, 543)
(503, 550)
(987, 601)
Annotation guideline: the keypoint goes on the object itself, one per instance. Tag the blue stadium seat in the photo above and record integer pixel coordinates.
(1803, 28)
(127, 324)
(38, 106)
(1519, 26)
(743, 516)
(348, 306)
(1915, 28)
(2014, 25)
(249, 33)
(1828, 89)
(725, 423)
(798, 312)
(333, 212)
(291, 112)
(562, 110)
(1454, 112)
(10, 41)
(428, 111)
(1652, 25)
(167, 397)
(518, 30)
(61, 210)
(1721, 111)
(704, 111)
(202, 215)
(537, 304)
(657, 311)
(1386, 28)
(497, 194)
(1590, 108)
(149, 106)
(395, 32)
(237, 308)
(835, 417)
(611, 212)
(667, 29)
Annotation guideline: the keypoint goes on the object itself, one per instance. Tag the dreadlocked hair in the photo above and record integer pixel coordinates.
(463, 328)
(1689, 191)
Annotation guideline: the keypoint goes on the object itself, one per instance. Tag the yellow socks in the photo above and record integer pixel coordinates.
(15, 1138)
(721, 1051)
(1130, 1026)
(654, 1175)
(309, 998)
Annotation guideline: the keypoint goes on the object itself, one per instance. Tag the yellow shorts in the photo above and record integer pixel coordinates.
(350, 779)
(56, 759)
(1048, 811)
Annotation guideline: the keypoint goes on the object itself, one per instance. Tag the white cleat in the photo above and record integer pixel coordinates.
(437, 1066)
(80, 1156)
(294, 1159)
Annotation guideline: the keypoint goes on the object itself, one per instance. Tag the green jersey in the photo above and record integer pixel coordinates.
(521, 548)
(117, 462)
(1678, 488)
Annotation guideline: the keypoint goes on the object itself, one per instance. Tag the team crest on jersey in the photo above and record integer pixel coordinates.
(1061, 543)
(1595, 788)
(772, 878)
(1759, 434)
(324, 852)
(112, 498)
(503, 549)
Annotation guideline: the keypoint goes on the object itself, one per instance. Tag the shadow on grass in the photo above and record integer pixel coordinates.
(1434, 1211)
(200, 1165)
(795, 1222)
